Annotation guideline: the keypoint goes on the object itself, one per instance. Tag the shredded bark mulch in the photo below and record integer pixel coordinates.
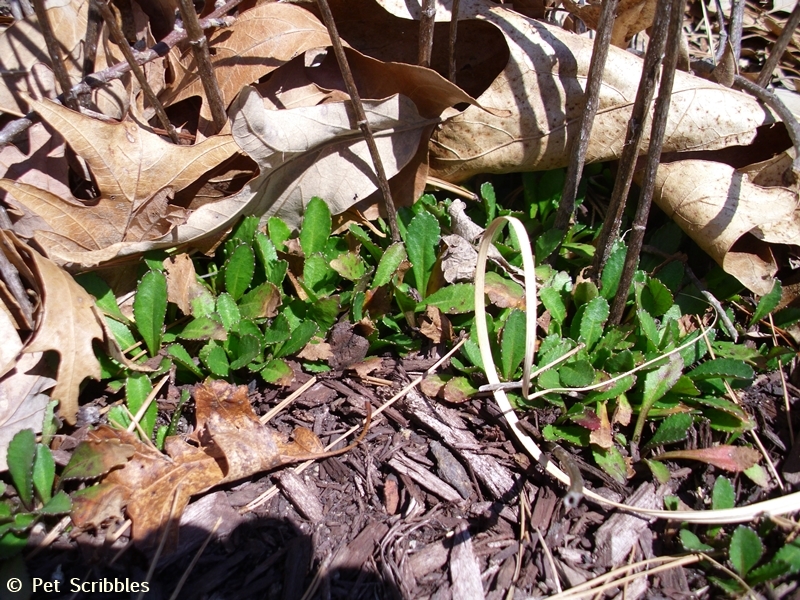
(436, 502)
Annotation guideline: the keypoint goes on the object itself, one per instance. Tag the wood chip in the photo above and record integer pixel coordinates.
(302, 495)
(404, 465)
(616, 537)
(465, 573)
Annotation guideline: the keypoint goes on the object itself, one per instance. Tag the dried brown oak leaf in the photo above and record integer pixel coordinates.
(68, 323)
(232, 445)
(135, 171)
(542, 88)
(261, 40)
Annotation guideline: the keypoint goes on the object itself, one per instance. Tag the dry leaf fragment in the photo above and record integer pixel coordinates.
(602, 436)
(730, 458)
(182, 285)
(68, 324)
(436, 326)
(632, 17)
(739, 224)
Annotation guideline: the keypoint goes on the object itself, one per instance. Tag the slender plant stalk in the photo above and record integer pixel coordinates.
(633, 137)
(13, 282)
(99, 79)
(723, 32)
(54, 50)
(451, 42)
(94, 21)
(427, 22)
(780, 46)
(119, 39)
(361, 117)
(199, 43)
(580, 143)
(661, 113)
(737, 22)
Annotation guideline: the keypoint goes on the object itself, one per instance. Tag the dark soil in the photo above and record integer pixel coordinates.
(410, 513)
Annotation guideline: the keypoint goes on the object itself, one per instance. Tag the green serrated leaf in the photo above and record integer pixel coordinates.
(260, 302)
(60, 504)
(719, 368)
(279, 232)
(103, 295)
(137, 388)
(579, 373)
(150, 309)
(228, 311)
(248, 348)
(552, 301)
(319, 277)
(349, 266)
(277, 372)
(94, 459)
(44, 472)
(656, 298)
(20, 457)
(214, 358)
(577, 436)
(184, 359)
(278, 331)
(745, 550)
(546, 243)
(767, 303)
(200, 328)
(790, 554)
(489, 202)
(422, 243)
(274, 268)
(512, 344)
(316, 227)
(674, 428)
(612, 462)
(593, 320)
(772, 570)
(244, 230)
(299, 337)
(49, 425)
(619, 387)
(656, 384)
(239, 270)
(659, 470)
(723, 495)
(612, 272)
(692, 543)
(455, 299)
(388, 265)
(649, 328)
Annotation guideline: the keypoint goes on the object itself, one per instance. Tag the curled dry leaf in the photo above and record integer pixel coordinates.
(156, 488)
(737, 222)
(730, 458)
(262, 39)
(542, 88)
(135, 170)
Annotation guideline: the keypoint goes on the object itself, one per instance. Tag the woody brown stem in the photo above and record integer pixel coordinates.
(199, 43)
(361, 117)
(54, 50)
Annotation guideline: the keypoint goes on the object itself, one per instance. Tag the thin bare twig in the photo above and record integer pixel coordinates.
(736, 25)
(580, 143)
(99, 79)
(633, 138)
(427, 22)
(723, 32)
(14, 283)
(361, 117)
(780, 47)
(661, 112)
(94, 20)
(119, 39)
(199, 43)
(54, 50)
(451, 42)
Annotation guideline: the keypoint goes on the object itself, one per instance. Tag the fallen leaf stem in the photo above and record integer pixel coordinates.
(780, 47)
(93, 25)
(12, 280)
(361, 116)
(122, 43)
(633, 138)
(659, 127)
(100, 78)
(199, 44)
(580, 142)
(735, 34)
(54, 50)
